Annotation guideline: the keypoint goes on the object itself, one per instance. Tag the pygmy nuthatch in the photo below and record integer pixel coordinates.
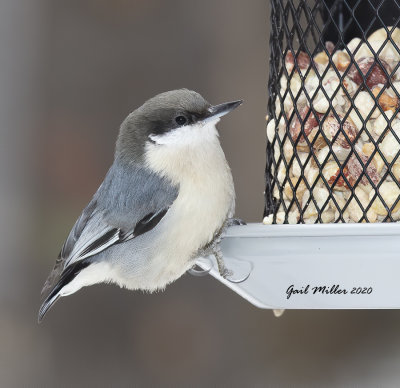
(164, 202)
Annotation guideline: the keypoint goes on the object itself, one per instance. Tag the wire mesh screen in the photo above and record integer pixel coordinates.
(333, 132)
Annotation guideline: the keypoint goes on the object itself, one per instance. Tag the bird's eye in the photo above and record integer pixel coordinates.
(180, 120)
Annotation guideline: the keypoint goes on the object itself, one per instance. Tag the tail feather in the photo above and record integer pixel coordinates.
(67, 275)
(46, 305)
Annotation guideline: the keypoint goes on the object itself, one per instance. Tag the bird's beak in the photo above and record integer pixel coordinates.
(217, 111)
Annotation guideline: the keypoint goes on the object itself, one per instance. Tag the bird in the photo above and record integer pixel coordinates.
(165, 201)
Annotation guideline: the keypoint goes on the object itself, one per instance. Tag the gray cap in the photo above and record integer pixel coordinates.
(157, 116)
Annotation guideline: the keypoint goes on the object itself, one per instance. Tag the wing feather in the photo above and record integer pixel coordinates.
(131, 201)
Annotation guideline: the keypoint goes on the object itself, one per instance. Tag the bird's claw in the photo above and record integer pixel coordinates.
(235, 222)
(226, 273)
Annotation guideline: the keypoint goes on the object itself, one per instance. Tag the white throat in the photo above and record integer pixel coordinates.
(188, 135)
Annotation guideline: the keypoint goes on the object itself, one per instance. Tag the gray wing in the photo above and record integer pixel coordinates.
(131, 201)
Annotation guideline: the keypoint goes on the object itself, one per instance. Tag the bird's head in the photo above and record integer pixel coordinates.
(170, 120)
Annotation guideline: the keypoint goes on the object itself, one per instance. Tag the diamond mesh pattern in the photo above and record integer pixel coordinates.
(333, 112)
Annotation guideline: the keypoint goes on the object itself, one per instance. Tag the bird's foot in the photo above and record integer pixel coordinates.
(225, 272)
(204, 264)
(235, 222)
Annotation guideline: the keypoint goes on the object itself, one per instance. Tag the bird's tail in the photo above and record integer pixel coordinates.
(65, 277)
(47, 304)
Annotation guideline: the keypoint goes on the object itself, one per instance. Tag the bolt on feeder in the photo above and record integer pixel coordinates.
(333, 157)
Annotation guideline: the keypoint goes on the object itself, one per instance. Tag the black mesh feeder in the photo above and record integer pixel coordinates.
(333, 112)
(333, 158)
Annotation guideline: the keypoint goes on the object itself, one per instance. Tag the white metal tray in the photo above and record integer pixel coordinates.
(337, 266)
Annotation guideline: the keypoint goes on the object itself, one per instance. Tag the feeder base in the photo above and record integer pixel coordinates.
(332, 266)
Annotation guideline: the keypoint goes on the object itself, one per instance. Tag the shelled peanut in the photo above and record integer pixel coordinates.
(339, 133)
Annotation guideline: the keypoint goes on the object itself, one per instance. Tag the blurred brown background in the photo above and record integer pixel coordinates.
(70, 71)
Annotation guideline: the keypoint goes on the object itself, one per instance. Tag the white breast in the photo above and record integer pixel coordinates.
(206, 197)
